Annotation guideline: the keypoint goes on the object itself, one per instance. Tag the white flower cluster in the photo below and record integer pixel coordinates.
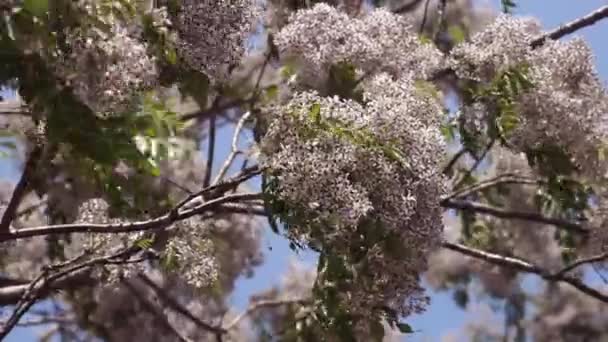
(379, 41)
(193, 251)
(189, 248)
(212, 33)
(343, 164)
(566, 106)
(106, 69)
(502, 44)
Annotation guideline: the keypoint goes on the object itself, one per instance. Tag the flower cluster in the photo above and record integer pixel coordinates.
(503, 44)
(566, 105)
(106, 70)
(379, 41)
(212, 33)
(343, 165)
(193, 252)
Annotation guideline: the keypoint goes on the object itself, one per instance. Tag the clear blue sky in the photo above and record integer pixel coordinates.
(442, 316)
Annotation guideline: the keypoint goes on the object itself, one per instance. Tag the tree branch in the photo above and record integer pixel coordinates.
(524, 266)
(572, 26)
(262, 304)
(507, 178)
(234, 149)
(507, 214)
(159, 315)
(44, 283)
(20, 190)
(581, 262)
(112, 228)
(210, 151)
(177, 307)
(410, 6)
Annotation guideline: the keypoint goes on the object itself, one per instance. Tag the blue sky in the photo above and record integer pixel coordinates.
(443, 316)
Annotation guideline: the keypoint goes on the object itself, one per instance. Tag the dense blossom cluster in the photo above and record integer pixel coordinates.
(212, 34)
(566, 106)
(106, 70)
(323, 165)
(378, 42)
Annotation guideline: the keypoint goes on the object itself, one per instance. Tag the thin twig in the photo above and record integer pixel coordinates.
(508, 214)
(441, 11)
(410, 6)
(45, 280)
(572, 26)
(177, 307)
(525, 266)
(151, 308)
(507, 178)
(20, 189)
(210, 151)
(454, 160)
(581, 262)
(234, 149)
(478, 161)
(262, 304)
(424, 16)
(221, 187)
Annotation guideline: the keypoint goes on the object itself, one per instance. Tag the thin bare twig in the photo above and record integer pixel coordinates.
(20, 190)
(151, 308)
(210, 151)
(507, 178)
(234, 149)
(508, 214)
(410, 6)
(581, 262)
(441, 12)
(524, 266)
(177, 307)
(45, 280)
(262, 304)
(571, 27)
(478, 162)
(454, 160)
(424, 16)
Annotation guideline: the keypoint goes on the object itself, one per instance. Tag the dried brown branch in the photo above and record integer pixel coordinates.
(516, 215)
(571, 27)
(20, 190)
(524, 266)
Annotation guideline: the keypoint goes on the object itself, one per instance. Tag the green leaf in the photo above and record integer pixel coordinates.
(508, 6)
(271, 92)
(8, 144)
(36, 7)
(315, 113)
(144, 243)
(405, 328)
(457, 33)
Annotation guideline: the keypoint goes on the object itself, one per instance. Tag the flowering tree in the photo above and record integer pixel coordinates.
(134, 231)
